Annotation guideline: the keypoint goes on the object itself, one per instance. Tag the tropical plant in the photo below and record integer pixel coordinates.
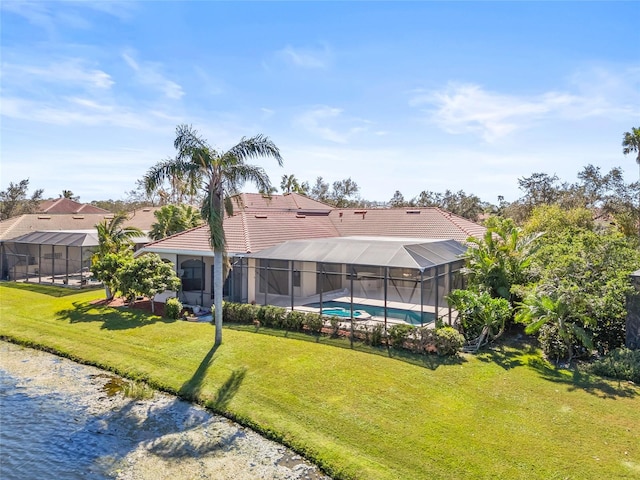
(290, 184)
(499, 259)
(482, 317)
(538, 310)
(172, 219)
(223, 174)
(631, 143)
(589, 271)
(113, 236)
(114, 250)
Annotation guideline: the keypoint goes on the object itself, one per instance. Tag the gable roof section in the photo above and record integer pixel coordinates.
(287, 202)
(404, 222)
(66, 205)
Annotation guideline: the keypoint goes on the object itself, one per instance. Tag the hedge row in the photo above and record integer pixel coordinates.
(443, 341)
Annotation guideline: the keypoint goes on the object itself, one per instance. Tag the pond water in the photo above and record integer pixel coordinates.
(58, 421)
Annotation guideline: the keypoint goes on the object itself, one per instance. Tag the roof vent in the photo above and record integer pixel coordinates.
(413, 211)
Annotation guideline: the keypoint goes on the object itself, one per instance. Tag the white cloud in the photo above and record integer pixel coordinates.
(469, 108)
(70, 14)
(464, 108)
(148, 74)
(71, 71)
(329, 124)
(305, 57)
(78, 112)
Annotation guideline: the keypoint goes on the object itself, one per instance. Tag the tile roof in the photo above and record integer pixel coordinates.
(289, 201)
(34, 222)
(248, 232)
(430, 222)
(66, 205)
(259, 223)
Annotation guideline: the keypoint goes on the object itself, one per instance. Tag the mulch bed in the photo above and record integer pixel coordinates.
(144, 305)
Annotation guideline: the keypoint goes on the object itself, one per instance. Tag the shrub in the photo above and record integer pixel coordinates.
(172, 308)
(424, 340)
(294, 320)
(554, 347)
(273, 316)
(314, 322)
(398, 334)
(335, 326)
(376, 335)
(448, 341)
(621, 363)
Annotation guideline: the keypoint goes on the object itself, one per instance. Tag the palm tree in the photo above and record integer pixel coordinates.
(224, 173)
(113, 239)
(113, 236)
(631, 143)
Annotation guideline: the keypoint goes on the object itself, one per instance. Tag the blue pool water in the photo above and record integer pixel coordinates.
(408, 316)
(343, 312)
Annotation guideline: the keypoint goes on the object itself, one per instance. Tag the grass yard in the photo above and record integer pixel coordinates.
(503, 414)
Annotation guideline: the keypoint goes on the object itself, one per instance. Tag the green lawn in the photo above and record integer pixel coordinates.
(503, 414)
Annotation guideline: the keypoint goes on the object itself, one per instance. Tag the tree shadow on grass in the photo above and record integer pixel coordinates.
(51, 290)
(577, 380)
(506, 357)
(191, 388)
(121, 318)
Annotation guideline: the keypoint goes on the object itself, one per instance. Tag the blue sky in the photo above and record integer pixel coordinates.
(405, 96)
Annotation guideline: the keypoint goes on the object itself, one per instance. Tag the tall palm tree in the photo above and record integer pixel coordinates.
(224, 174)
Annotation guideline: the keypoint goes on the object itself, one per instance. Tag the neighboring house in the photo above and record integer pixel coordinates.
(66, 205)
(292, 251)
(57, 247)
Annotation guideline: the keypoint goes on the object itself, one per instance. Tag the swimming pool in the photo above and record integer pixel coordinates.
(408, 316)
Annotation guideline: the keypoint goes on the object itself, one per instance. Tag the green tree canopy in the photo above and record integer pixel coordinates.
(15, 200)
(172, 219)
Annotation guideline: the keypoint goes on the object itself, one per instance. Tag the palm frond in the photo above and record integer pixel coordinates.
(254, 147)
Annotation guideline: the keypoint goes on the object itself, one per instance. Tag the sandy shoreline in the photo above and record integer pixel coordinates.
(161, 438)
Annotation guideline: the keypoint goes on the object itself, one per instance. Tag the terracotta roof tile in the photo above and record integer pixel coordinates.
(66, 205)
(404, 222)
(34, 222)
(262, 224)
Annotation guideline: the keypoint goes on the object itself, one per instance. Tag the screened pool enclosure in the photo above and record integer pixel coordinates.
(62, 258)
(368, 278)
